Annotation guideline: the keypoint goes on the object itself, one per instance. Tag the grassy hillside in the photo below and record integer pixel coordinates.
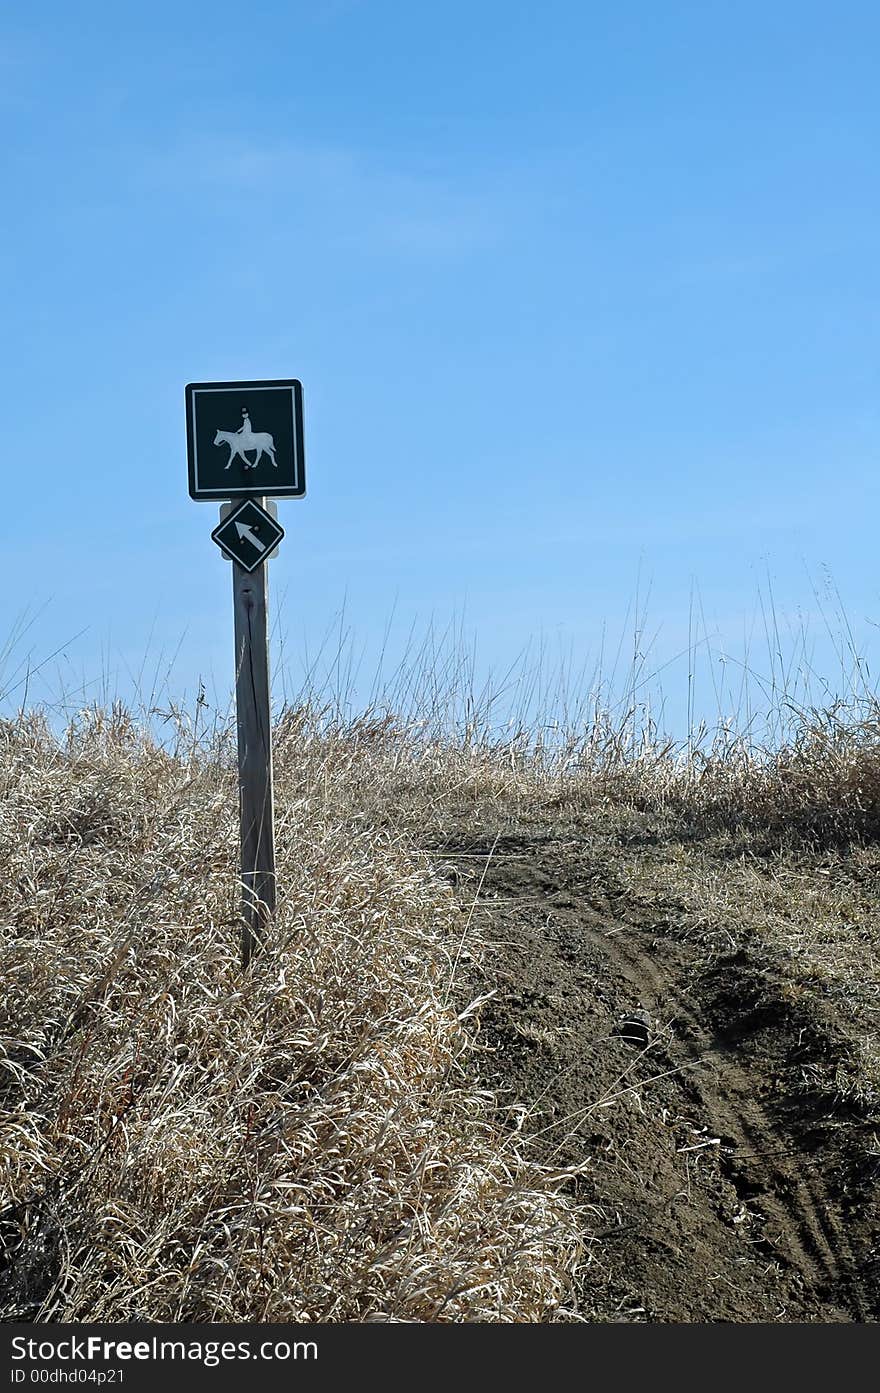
(358, 1128)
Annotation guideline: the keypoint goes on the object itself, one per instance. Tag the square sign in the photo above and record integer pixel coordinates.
(245, 439)
(248, 535)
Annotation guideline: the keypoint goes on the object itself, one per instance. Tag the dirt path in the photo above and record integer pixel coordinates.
(720, 1188)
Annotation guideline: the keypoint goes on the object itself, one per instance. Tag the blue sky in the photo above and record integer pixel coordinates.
(584, 299)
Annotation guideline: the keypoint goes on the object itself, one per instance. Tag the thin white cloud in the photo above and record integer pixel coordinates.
(352, 198)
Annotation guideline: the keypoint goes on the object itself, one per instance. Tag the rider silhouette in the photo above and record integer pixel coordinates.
(245, 427)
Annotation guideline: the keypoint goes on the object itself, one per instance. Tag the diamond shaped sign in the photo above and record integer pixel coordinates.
(248, 535)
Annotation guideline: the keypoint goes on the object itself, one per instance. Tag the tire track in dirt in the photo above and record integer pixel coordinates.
(807, 1231)
(566, 958)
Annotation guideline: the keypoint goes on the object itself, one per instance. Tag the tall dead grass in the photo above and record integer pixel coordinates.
(820, 786)
(817, 786)
(783, 758)
(179, 1141)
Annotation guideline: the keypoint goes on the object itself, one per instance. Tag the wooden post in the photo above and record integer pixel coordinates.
(256, 810)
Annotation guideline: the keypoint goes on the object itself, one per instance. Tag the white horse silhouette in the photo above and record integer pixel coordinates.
(239, 441)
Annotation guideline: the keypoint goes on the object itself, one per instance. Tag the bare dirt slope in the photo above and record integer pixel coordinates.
(729, 1174)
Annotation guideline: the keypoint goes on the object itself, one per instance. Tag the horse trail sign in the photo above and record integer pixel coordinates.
(245, 439)
(244, 443)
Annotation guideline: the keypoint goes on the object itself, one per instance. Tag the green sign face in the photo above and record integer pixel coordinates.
(245, 439)
(248, 534)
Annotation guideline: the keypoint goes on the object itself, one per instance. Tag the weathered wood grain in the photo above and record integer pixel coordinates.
(256, 806)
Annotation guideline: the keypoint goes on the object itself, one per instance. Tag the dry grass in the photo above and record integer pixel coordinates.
(819, 787)
(305, 1142)
(182, 1142)
(773, 848)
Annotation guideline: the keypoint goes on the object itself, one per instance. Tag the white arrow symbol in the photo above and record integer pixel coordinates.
(245, 531)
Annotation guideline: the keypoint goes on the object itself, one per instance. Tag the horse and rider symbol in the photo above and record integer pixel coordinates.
(246, 438)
